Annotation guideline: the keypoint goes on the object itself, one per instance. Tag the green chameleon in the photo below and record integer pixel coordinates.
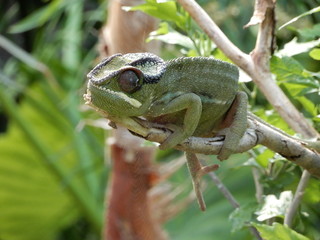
(192, 96)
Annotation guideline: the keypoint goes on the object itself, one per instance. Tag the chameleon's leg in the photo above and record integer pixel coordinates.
(237, 116)
(193, 106)
(197, 171)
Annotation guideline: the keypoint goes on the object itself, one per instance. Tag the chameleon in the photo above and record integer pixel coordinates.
(191, 96)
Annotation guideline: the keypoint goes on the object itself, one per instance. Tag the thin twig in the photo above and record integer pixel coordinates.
(259, 188)
(224, 190)
(291, 211)
(228, 195)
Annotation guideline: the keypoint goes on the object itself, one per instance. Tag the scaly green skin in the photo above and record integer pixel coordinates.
(193, 96)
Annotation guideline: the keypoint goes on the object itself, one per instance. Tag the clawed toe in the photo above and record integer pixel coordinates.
(197, 171)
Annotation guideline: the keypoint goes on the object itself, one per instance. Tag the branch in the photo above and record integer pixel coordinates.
(240, 58)
(258, 132)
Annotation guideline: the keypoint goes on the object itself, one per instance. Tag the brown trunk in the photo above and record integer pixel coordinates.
(128, 214)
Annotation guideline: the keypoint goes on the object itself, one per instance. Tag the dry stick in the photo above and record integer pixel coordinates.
(258, 68)
(258, 185)
(228, 195)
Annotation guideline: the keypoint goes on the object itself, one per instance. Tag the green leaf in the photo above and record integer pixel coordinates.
(241, 216)
(297, 81)
(315, 53)
(314, 10)
(39, 176)
(294, 48)
(288, 69)
(170, 36)
(164, 10)
(21, 54)
(264, 157)
(310, 33)
(38, 17)
(278, 231)
(312, 192)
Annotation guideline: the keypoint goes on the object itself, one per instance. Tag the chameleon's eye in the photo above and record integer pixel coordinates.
(129, 81)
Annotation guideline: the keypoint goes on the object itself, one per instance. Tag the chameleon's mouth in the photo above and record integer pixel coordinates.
(104, 92)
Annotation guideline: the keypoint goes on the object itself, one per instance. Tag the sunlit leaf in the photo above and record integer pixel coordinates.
(278, 231)
(274, 207)
(294, 48)
(315, 53)
(164, 10)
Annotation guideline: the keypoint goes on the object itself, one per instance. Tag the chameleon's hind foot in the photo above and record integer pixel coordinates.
(197, 171)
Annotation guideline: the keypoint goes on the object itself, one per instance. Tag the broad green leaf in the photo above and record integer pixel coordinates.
(310, 33)
(278, 232)
(35, 199)
(315, 53)
(314, 10)
(298, 82)
(288, 69)
(242, 216)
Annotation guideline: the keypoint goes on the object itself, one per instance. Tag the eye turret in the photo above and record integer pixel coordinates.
(130, 81)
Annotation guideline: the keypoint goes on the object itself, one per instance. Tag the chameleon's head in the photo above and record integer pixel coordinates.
(122, 85)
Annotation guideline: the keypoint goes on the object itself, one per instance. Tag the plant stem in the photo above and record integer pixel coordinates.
(259, 188)
(291, 211)
(224, 190)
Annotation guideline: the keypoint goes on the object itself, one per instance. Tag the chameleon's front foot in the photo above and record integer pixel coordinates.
(174, 139)
(197, 171)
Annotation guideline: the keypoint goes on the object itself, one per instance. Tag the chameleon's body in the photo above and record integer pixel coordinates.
(216, 96)
(192, 96)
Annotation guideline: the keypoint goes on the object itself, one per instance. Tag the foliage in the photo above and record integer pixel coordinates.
(300, 81)
(278, 231)
(52, 169)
